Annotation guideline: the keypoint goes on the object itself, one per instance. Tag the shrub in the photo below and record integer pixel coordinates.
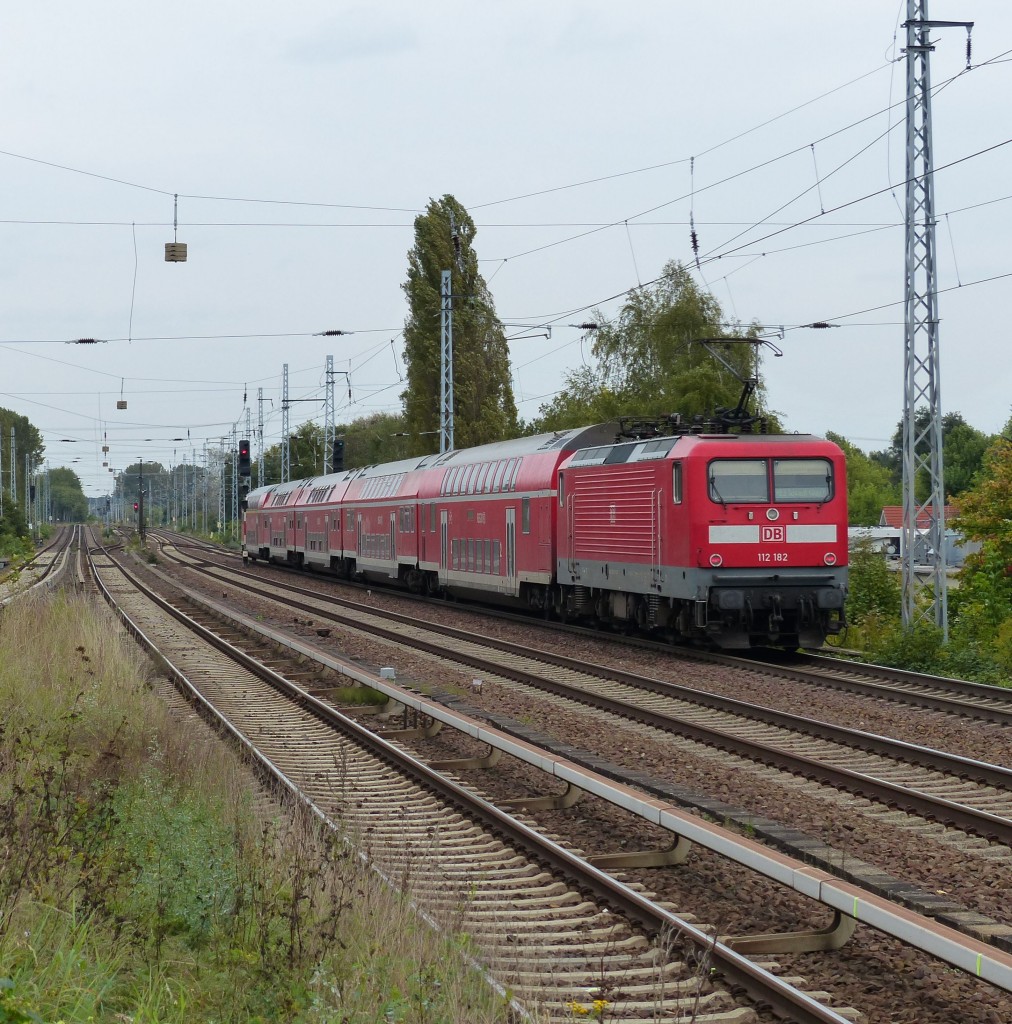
(919, 648)
(873, 586)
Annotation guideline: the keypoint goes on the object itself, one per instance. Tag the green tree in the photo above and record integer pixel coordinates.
(982, 605)
(648, 364)
(985, 511)
(28, 446)
(66, 497)
(869, 485)
(963, 449)
(381, 437)
(306, 455)
(484, 407)
(586, 398)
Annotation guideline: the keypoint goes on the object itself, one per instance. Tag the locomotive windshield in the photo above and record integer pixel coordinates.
(748, 480)
(739, 480)
(802, 480)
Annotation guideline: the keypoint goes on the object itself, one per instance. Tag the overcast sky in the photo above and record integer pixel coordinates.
(302, 138)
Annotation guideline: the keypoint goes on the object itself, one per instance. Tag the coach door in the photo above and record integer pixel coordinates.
(656, 540)
(393, 544)
(511, 549)
(571, 535)
(443, 543)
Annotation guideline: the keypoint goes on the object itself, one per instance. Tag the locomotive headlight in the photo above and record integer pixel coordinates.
(716, 560)
(829, 558)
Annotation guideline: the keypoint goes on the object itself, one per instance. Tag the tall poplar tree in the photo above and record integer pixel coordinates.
(484, 407)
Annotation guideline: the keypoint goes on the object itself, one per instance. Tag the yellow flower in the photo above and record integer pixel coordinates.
(600, 1005)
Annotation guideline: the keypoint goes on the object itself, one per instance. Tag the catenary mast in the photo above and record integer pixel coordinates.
(924, 592)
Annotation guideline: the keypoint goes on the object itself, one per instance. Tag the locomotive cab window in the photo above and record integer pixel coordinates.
(802, 480)
(738, 480)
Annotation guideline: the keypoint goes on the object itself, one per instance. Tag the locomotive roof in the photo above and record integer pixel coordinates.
(652, 448)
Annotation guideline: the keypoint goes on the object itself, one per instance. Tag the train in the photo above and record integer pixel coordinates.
(733, 540)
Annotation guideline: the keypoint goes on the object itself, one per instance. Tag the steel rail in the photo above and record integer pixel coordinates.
(981, 823)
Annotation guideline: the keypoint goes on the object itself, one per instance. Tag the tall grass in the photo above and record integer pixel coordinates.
(143, 880)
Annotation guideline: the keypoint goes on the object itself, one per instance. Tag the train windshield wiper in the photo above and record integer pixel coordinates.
(716, 493)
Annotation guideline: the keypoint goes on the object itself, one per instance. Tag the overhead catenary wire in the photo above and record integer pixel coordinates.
(952, 244)
(681, 160)
(414, 210)
(133, 287)
(576, 310)
(748, 170)
(737, 255)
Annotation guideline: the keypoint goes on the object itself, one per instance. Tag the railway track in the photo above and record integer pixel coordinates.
(527, 900)
(940, 907)
(968, 795)
(954, 696)
(42, 570)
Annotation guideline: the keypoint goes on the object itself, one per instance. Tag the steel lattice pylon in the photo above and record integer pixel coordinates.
(445, 362)
(221, 486)
(329, 427)
(924, 592)
(235, 484)
(260, 436)
(285, 450)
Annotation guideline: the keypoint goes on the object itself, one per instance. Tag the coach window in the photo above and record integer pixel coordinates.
(472, 478)
(562, 491)
(513, 472)
(525, 514)
(802, 480)
(676, 482)
(500, 468)
(739, 480)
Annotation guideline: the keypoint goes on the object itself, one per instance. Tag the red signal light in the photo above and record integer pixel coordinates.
(136, 506)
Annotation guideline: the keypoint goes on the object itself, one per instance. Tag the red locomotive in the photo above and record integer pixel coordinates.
(735, 539)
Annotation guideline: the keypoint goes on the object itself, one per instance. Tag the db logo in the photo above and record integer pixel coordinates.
(773, 535)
